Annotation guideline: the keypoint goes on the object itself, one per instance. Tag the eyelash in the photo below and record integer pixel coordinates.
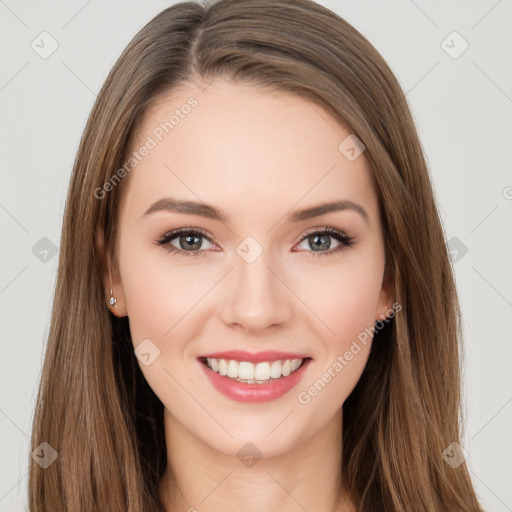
(164, 241)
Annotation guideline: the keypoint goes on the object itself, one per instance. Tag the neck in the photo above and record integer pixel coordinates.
(306, 477)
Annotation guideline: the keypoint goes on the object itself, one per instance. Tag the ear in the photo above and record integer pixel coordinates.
(110, 278)
(386, 296)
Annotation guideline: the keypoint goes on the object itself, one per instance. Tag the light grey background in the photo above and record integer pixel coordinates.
(463, 110)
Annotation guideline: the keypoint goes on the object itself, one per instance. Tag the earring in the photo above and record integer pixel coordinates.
(112, 302)
(383, 315)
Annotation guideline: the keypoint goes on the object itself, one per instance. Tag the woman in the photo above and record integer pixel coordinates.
(207, 353)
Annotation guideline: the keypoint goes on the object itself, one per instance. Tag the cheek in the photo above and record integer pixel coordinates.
(158, 294)
(349, 316)
(164, 305)
(343, 298)
(344, 301)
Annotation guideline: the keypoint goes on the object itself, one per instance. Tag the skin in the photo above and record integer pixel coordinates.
(258, 156)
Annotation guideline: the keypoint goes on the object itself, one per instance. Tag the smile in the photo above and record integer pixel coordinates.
(250, 373)
(248, 382)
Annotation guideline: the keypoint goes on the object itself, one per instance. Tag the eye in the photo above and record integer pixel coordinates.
(189, 241)
(319, 240)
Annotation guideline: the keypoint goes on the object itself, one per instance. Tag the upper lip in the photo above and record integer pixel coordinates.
(254, 357)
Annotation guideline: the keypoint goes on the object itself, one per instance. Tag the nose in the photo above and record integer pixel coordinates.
(255, 296)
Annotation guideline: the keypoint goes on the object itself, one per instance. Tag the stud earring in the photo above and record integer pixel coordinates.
(112, 301)
(383, 316)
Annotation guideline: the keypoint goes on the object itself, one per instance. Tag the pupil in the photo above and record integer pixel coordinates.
(188, 239)
(314, 240)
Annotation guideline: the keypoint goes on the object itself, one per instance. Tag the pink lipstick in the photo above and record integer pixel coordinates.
(261, 388)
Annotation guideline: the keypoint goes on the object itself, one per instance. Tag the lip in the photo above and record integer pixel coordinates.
(254, 357)
(255, 393)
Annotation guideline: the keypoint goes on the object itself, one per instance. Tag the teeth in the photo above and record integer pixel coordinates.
(214, 363)
(223, 366)
(275, 369)
(262, 371)
(232, 369)
(244, 371)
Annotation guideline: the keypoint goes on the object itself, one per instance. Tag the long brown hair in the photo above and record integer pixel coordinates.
(94, 407)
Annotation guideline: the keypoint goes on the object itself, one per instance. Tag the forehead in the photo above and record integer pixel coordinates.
(247, 149)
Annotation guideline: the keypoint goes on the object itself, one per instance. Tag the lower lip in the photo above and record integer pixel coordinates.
(254, 393)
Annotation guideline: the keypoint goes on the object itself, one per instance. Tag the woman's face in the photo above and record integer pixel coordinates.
(261, 276)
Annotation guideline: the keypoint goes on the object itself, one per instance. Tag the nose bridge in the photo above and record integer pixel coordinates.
(254, 296)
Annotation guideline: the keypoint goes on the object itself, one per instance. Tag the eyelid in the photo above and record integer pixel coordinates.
(173, 233)
(322, 229)
(345, 241)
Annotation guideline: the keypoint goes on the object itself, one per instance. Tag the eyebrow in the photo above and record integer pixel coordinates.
(212, 212)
